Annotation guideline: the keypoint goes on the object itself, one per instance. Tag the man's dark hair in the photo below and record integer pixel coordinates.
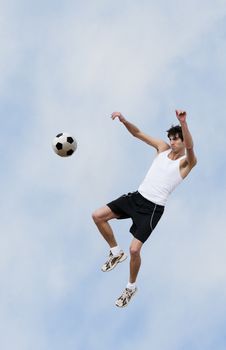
(174, 130)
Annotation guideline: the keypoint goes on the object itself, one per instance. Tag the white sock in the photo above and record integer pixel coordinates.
(115, 250)
(131, 285)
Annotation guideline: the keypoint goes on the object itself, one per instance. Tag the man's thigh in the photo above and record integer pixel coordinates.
(105, 213)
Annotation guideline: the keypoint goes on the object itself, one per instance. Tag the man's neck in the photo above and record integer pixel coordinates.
(175, 155)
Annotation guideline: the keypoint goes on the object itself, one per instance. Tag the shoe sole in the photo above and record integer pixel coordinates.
(119, 261)
(121, 307)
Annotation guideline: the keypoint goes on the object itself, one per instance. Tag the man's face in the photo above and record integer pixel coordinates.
(176, 143)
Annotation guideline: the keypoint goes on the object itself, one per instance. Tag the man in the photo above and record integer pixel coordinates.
(145, 207)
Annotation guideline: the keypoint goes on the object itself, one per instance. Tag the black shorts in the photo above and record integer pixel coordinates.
(144, 214)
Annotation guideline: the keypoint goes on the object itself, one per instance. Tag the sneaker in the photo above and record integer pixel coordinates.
(113, 261)
(125, 298)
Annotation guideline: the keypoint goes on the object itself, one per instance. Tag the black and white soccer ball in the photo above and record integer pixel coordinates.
(64, 144)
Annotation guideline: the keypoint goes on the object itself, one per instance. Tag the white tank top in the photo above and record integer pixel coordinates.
(161, 179)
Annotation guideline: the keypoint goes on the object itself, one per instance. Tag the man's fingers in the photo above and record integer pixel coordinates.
(179, 112)
(116, 115)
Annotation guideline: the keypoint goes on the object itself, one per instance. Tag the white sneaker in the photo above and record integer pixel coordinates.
(126, 296)
(113, 261)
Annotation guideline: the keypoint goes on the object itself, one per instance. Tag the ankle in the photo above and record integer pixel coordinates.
(131, 286)
(115, 250)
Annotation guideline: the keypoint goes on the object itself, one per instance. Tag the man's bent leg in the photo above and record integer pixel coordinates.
(101, 217)
(116, 255)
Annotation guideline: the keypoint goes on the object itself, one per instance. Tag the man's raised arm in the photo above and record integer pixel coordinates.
(158, 144)
(188, 142)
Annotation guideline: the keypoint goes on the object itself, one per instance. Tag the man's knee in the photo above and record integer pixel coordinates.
(102, 214)
(135, 248)
(96, 216)
(134, 251)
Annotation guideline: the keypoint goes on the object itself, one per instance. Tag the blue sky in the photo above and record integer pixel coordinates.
(65, 66)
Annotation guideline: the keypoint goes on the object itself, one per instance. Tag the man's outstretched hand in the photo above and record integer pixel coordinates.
(181, 115)
(119, 116)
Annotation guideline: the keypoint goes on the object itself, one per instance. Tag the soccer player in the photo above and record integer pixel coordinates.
(173, 162)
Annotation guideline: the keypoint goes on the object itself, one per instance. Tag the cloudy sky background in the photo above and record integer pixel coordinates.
(65, 66)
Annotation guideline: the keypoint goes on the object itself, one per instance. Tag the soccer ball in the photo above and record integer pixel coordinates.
(64, 144)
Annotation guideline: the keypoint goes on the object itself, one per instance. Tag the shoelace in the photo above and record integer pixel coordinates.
(111, 257)
(108, 262)
(126, 294)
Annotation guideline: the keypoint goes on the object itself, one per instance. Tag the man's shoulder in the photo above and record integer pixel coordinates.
(164, 148)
